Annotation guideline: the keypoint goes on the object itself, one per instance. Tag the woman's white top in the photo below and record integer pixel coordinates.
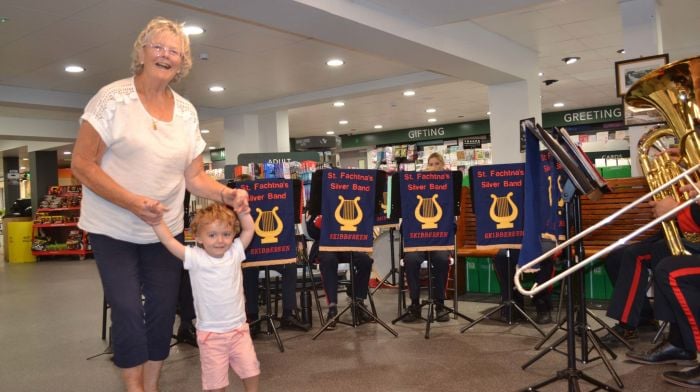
(146, 161)
(217, 287)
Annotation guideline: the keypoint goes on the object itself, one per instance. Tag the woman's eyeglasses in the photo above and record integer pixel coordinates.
(160, 50)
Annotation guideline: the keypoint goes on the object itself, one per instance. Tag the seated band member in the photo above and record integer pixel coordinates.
(440, 264)
(328, 265)
(677, 279)
(630, 286)
(289, 285)
(542, 301)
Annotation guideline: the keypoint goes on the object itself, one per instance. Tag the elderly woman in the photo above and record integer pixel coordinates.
(440, 260)
(138, 149)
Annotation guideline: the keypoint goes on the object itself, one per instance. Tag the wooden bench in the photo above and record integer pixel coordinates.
(625, 191)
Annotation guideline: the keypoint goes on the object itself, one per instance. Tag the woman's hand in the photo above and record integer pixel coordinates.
(149, 210)
(663, 206)
(236, 198)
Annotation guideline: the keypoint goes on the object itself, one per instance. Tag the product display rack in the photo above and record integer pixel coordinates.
(55, 230)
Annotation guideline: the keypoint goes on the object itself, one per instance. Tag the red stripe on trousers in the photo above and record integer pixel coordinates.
(673, 281)
(633, 288)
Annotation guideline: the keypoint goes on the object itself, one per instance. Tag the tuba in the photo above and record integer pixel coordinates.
(674, 91)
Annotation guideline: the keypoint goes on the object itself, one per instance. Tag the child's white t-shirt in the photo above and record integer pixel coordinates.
(217, 287)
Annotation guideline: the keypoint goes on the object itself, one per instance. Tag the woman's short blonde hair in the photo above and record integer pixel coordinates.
(437, 156)
(159, 25)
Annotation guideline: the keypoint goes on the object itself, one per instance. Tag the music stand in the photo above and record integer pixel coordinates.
(580, 181)
(314, 206)
(430, 302)
(393, 204)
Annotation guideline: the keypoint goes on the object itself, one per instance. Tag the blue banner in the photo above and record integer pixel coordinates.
(427, 210)
(543, 215)
(499, 194)
(272, 208)
(348, 206)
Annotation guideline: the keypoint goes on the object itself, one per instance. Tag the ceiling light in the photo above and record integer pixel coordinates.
(212, 147)
(339, 104)
(378, 126)
(25, 159)
(66, 153)
(330, 132)
(74, 69)
(204, 131)
(488, 113)
(430, 110)
(216, 89)
(409, 93)
(570, 60)
(559, 105)
(22, 168)
(4, 19)
(335, 62)
(192, 30)
(540, 74)
(621, 51)
(343, 122)
(432, 119)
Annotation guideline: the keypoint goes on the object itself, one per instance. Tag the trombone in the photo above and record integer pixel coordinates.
(537, 288)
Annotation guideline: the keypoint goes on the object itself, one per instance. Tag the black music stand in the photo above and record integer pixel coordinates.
(508, 304)
(267, 317)
(314, 206)
(582, 181)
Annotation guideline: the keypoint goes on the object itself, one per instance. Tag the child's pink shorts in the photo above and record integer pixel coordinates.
(219, 350)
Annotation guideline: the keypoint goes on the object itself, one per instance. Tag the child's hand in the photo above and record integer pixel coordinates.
(150, 211)
(240, 202)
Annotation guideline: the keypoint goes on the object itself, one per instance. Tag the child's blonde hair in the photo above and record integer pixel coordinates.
(212, 213)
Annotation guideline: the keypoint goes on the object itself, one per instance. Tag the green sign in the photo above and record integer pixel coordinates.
(414, 135)
(218, 154)
(602, 114)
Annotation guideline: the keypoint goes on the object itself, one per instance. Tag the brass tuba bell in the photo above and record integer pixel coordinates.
(672, 91)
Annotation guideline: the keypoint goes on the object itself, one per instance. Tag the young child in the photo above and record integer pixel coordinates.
(215, 271)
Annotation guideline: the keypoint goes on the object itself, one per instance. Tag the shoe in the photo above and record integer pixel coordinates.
(442, 315)
(254, 330)
(663, 353)
(543, 317)
(187, 334)
(628, 334)
(332, 312)
(689, 378)
(412, 314)
(361, 312)
(292, 323)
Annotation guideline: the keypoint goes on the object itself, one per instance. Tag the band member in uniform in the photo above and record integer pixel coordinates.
(440, 261)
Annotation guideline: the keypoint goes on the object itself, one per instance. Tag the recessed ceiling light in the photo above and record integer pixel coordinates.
(330, 132)
(430, 110)
(343, 122)
(409, 93)
(378, 126)
(570, 60)
(559, 105)
(212, 147)
(66, 153)
(4, 19)
(432, 119)
(192, 30)
(339, 104)
(540, 74)
(488, 113)
(335, 62)
(204, 131)
(216, 89)
(74, 69)
(621, 51)
(25, 159)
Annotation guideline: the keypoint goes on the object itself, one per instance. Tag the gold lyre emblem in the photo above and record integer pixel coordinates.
(428, 211)
(268, 225)
(348, 213)
(503, 211)
(384, 204)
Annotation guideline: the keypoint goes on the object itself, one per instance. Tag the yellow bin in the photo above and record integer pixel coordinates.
(19, 242)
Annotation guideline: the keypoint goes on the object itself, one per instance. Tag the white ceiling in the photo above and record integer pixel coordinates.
(273, 52)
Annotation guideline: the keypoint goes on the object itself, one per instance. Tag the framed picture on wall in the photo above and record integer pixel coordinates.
(627, 72)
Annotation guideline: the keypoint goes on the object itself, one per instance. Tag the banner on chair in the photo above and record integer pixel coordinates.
(272, 208)
(348, 206)
(427, 206)
(498, 197)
